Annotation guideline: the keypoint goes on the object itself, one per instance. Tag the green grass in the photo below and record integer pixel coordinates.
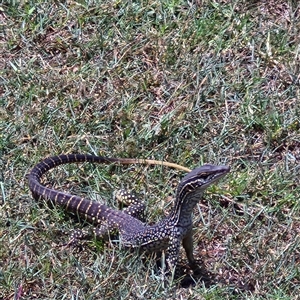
(189, 82)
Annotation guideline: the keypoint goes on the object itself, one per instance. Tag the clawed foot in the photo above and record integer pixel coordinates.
(76, 236)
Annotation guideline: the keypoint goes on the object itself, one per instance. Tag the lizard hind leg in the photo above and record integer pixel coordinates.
(78, 235)
(101, 232)
(132, 205)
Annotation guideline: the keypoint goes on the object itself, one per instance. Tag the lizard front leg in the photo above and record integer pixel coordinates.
(173, 251)
(187, 244)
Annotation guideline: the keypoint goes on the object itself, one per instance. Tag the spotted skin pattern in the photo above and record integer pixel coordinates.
(133, 206)
(134, 233)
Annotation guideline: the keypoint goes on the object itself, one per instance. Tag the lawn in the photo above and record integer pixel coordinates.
(189, 82)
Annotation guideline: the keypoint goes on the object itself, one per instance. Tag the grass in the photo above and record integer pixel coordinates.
(185, 81)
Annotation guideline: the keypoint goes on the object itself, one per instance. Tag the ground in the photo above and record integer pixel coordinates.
(189, 82)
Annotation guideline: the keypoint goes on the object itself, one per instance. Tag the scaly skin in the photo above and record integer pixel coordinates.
(165, 235)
